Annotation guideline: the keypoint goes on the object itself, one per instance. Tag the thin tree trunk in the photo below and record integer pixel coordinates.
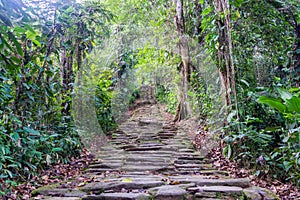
(183, 109)
(67, 75)
(296, 55)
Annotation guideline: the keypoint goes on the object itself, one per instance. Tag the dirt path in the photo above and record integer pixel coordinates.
(148, 158)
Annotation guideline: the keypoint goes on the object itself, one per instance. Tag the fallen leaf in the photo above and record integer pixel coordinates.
(81, 184)
(127, 180)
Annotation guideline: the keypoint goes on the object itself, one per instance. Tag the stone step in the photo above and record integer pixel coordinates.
(106, 165)
(118, 196)
(149, 158)
(200, 181)
(145, 168)
(140, 148)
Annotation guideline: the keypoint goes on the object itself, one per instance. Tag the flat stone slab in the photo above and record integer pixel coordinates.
(200, 181)
(166, 192)
(265, 194)
(64, 192)
(128, 184)
(188, 165)
(206, 195)
(118, 196)
(61, 198)
(142, 168)
(221, 189)
(106, 165)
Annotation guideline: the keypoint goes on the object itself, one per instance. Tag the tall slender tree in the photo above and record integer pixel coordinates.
(225, 54)
(183, 109)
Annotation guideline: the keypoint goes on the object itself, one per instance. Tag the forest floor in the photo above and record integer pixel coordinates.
(151, 157)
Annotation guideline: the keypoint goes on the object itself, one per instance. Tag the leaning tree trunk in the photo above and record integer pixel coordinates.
(225, 54)
(183, 109)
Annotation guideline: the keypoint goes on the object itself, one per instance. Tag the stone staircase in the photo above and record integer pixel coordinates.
(148, 158)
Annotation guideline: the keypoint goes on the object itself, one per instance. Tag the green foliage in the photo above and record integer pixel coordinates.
(202, 102)
(287, 154)
(271, 134)
(34, 132)
(168, 97)
(103, 97)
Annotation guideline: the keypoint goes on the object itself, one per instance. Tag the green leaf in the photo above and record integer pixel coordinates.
(37, 43)
(206, 11)
(26, 85)
(17, 44)
(29, 95)
(293, 104)
(245, 82)
(237, 3)
(286, 139)
(284, 94)
(30, 35)
(19, 29)
(231, 115)
(31, 131)
(57, 149)
(70, 9)
(273, 103)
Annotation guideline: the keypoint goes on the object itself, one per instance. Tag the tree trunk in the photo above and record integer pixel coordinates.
(296, 56)
(197, 23)
(183, 109)
(225, 54)
(67, 75)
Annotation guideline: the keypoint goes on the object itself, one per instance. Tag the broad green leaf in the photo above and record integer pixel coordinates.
(19, 29)
(273, 103)
(293, 104)
(16, 60)
(284, 94)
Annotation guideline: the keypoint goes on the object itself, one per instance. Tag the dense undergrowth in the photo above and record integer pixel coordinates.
(39, 60)
(267, 139)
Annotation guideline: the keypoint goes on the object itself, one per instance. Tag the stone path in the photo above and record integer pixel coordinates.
(148, 158)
